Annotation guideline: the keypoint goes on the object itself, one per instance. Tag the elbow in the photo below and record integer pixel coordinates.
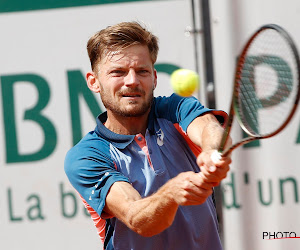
(150, 228)
(148, 232)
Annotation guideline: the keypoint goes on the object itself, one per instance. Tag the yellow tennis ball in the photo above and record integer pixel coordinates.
(184, 82)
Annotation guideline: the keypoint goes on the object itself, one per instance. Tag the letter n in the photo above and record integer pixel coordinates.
(77, 89)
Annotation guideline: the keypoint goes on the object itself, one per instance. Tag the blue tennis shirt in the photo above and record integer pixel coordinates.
(102, 158)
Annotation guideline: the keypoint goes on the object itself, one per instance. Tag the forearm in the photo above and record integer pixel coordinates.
(153, 214)
(206, 132)
(146, 216)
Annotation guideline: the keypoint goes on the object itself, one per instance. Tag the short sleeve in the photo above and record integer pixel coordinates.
(183, 110)
(91, 170)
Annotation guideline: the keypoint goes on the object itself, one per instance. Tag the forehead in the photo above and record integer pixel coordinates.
(133, 55)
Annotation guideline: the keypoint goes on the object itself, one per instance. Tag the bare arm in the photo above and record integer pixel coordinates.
(151, 215)
(206, 132)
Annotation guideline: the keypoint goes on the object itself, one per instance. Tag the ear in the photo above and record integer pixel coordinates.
(155, 79)
(92, 82)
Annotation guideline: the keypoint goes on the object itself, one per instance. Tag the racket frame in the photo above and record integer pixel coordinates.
(234, 103)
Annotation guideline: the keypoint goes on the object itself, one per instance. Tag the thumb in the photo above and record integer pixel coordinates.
(216, 156)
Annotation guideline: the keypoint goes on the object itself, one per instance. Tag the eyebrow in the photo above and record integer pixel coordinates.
(117, 66)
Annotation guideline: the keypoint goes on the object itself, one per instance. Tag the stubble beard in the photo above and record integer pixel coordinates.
(136, 110)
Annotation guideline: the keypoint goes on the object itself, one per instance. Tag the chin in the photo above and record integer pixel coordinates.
(133, 110)
(134, 113)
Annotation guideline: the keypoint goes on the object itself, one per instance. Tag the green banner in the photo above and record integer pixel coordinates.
(21, 5)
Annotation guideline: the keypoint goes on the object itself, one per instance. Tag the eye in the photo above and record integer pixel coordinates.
(143, 72)
(117, 72)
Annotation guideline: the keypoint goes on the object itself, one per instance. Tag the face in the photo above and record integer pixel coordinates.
(126, 81)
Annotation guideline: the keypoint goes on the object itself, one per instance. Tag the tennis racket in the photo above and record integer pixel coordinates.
(266, 87)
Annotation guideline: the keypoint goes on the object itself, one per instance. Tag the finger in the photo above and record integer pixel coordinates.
(200, 198)
(194, 197)
(199, 161)
(195, 181)
(213, 159)
(216, 156)
(215, 184)
(224, 161)
(222, 164)
(215, 176)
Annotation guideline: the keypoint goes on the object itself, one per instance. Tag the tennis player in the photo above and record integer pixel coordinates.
(145, 173)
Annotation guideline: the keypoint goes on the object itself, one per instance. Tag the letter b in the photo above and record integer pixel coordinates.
(33, 114)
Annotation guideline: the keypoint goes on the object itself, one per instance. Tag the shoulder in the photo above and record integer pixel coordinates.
(172, 100)
(91, 143)
(183, 110)
(177, 103)
(89, 152)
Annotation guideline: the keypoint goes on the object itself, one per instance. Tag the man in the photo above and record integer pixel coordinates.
(138, 172)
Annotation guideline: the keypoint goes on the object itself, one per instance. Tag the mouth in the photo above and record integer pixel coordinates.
(131, 95)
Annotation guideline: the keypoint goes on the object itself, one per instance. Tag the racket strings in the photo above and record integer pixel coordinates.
(266, 84)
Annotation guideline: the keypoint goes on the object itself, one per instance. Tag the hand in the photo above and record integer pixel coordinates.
(213, 169)
(189, 188)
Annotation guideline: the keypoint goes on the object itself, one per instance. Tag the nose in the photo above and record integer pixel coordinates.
(131, 78)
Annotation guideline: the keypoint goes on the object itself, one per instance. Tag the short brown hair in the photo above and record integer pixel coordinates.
(118, 37)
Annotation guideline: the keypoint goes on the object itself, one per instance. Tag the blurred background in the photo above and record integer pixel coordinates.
(45, 108)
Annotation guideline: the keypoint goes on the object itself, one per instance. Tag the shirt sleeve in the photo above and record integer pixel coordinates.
(91, 171)
(183, 110)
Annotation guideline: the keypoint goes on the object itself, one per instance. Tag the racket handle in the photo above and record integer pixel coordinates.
(216, 156)
(226, 152)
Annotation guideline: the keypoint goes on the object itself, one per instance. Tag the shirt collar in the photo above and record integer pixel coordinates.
(151, 118)
(118, 140)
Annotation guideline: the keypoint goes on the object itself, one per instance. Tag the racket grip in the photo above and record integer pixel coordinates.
(216, 156)
(227, 152)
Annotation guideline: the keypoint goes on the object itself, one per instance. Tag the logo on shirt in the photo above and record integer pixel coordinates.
(160, 137)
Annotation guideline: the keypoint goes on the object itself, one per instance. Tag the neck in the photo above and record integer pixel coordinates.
(127, 125)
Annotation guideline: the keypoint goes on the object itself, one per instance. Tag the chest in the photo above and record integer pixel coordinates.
(150, 161)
